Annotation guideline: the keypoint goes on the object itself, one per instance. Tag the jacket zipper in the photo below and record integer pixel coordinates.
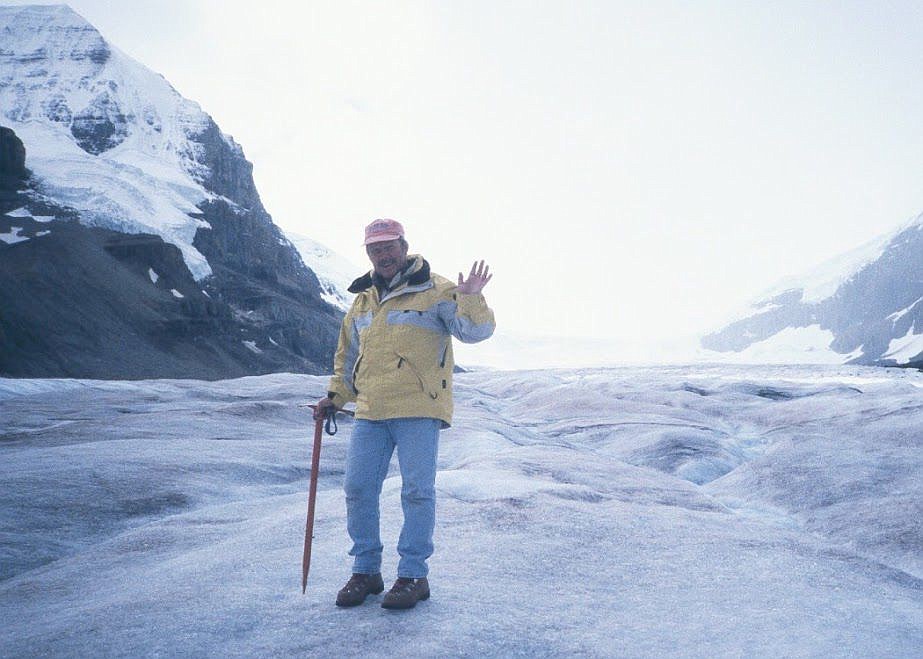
(355, 372)
(419, 378)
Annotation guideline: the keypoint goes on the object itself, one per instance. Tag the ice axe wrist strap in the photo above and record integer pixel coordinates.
(330, 423)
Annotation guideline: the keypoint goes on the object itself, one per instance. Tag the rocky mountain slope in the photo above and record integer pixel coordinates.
(865, 307)
(133, 242)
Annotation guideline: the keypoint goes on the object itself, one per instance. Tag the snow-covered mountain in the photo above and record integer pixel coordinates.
(134, 242)
(864, 307)
(334, 272)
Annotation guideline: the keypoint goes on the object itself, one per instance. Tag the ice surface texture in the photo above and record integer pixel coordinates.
(732, 511)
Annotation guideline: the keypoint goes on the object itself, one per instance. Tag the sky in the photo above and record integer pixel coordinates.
(631, 171)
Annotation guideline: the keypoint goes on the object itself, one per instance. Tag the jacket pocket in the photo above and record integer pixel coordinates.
(445, 351)
(429, 391)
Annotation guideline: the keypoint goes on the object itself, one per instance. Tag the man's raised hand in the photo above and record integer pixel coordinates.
(477, 279)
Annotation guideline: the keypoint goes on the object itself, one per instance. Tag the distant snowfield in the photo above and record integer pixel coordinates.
(905, 348)
(809, 344)
(823, 281)
(801, 345)
(664, 511)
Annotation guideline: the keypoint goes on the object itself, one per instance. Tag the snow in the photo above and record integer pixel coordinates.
(905, 348)
(792, 345)
(150, 182)
(176, 293)
(513, 350)
(765, 307)
(669, 511)
(504, 350)
(334, 272)
(115, 195)
(147, 183)
(153, 275)
(39, 234)
(485, 484)
(13, 236)
(23, 212)
(251, 345)
(823, 281)
(897, 315)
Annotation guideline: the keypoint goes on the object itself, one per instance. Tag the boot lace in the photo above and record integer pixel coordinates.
(356, 582)
(403, 584)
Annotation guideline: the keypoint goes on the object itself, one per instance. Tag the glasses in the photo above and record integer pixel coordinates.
(380, 249)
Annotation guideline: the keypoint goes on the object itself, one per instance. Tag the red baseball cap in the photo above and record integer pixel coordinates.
(381, 230)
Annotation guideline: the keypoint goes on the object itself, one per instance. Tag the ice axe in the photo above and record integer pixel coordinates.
(331, 426)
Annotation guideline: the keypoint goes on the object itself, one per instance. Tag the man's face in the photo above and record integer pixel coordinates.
(387, 257)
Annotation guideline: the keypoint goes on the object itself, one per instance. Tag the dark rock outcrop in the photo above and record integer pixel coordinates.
(95, 311)
(12, 158)
(263, 278)
(221, 167)
(98, 127)
(87, 302)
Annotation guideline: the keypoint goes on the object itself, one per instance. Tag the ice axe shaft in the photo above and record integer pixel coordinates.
(312, 496)
(329, 416)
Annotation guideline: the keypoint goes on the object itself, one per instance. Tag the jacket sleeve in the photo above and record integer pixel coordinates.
(467, 316)
(341, 390)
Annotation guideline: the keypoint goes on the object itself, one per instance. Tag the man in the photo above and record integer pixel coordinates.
(394, 359)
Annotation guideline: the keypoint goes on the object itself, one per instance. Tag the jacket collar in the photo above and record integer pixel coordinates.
(419, 274)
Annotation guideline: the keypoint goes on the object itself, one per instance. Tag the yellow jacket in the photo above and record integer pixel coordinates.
(394, 357)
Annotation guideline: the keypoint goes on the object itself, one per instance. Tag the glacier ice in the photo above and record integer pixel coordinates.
(679, 511)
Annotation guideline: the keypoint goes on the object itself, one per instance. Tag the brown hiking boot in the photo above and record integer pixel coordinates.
(405, 593)
(358, 588)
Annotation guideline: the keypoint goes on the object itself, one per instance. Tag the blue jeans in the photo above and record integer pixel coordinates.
(370, 450)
